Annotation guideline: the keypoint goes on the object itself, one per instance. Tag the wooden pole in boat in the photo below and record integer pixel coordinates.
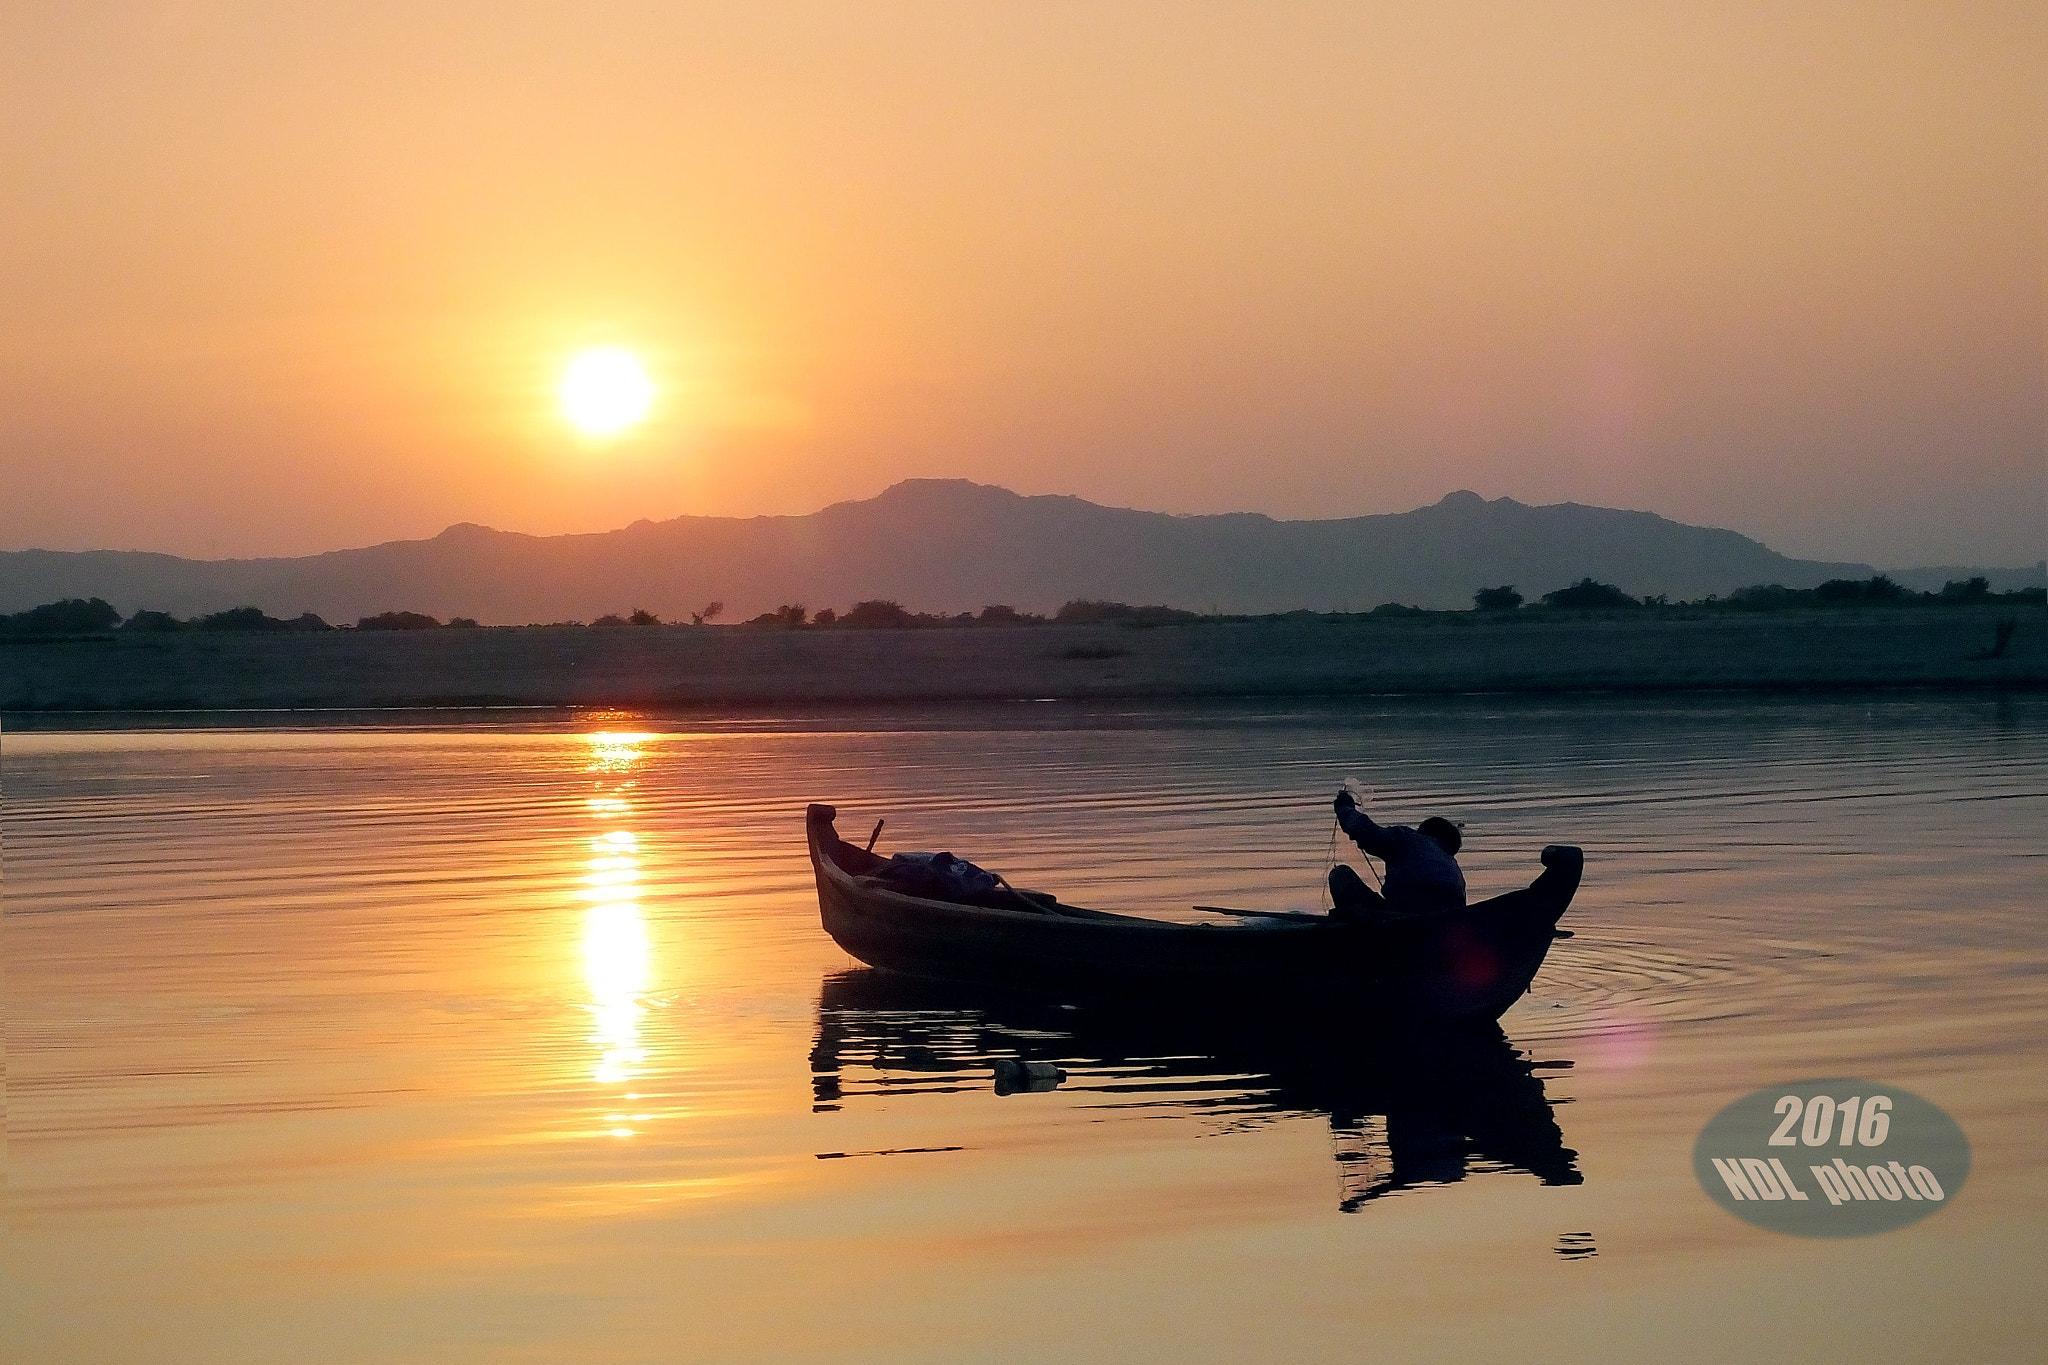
(1262, 914)
(1354, 786)
(876, 834)
(1326, 900)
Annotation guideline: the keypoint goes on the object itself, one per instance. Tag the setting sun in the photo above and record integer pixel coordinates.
(605, 391)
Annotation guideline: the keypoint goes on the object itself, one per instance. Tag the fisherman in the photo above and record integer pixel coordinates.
(1423, 877)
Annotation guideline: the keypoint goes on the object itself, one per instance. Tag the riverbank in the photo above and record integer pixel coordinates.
(700, 666)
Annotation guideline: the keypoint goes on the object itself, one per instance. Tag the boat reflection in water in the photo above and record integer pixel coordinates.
(1403, 1113)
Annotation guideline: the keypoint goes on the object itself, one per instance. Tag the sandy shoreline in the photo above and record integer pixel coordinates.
(734, 667)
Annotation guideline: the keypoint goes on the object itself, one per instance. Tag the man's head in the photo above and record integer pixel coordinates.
(1444, 832)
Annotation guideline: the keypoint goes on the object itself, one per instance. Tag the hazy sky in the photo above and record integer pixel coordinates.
(277, 278)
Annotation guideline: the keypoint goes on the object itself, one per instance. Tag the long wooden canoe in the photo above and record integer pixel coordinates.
(1469, 965)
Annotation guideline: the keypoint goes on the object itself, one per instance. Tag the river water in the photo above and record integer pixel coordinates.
(393, 1040)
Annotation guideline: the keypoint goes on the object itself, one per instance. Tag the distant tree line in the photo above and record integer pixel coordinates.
(882, 614)
(1587, 594)
(95, 616)
(1877, 590)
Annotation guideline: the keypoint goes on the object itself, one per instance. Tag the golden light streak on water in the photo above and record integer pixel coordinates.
(618, 958)
(613, 751)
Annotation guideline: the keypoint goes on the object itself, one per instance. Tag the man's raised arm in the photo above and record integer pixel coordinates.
(1359, 826)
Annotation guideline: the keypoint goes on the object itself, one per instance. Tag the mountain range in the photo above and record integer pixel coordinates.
(948, 545)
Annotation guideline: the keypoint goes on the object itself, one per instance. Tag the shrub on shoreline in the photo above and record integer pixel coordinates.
(877, 614)
(1587, 594)
(152, 623)
(71, 616)
(1082, 612)
(398, 620)
(246, 619)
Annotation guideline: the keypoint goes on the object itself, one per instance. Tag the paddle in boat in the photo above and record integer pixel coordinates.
(1467, 965)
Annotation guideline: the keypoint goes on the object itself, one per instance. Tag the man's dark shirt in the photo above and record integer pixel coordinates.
(1420, 875)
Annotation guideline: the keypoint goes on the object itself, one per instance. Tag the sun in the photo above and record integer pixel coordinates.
(605, 390)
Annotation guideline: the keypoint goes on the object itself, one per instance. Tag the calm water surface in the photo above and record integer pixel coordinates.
(522, 1042)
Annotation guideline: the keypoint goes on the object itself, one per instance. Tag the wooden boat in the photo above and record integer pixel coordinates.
(1468, 965)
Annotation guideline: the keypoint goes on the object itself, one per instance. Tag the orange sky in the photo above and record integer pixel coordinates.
(277, 279)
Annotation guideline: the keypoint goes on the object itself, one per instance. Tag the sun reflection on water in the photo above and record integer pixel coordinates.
(618, 959)
(615, 751)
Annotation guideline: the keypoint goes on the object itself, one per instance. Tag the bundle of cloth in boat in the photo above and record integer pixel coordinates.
(940, 877)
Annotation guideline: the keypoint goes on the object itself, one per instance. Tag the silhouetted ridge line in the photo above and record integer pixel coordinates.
(947, 546)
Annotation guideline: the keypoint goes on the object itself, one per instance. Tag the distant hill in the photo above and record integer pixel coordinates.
(946, 545)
